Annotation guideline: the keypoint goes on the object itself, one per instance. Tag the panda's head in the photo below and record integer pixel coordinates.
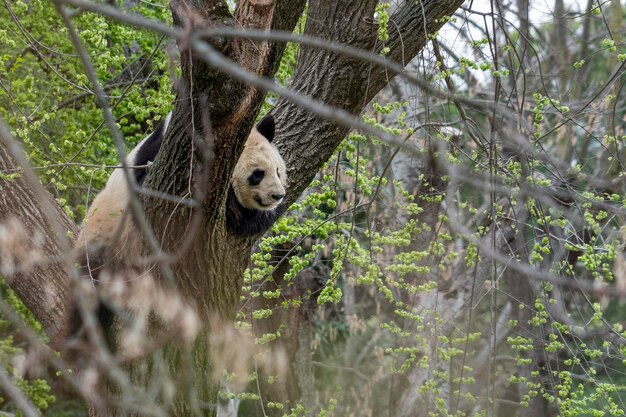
(260, 176)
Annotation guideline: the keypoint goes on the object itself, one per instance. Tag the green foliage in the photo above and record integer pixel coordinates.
(382, 17)
(540, 193)
(43, 85)
(37, 390)
(384, 246)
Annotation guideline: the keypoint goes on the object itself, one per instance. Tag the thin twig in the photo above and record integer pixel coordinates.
(18, 398)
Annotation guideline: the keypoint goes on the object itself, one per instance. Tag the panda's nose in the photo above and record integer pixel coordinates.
(278, 197)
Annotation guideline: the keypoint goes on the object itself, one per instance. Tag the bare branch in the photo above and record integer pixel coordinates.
(22, 403)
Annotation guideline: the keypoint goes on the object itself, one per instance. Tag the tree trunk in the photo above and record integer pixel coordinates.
(32, 254)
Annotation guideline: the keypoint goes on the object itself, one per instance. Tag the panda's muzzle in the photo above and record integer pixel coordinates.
(269, 206)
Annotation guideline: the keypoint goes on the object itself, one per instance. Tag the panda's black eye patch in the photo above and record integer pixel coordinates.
(256, 177)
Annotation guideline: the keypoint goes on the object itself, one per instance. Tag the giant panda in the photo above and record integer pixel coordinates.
(257, 186)
(109, 240)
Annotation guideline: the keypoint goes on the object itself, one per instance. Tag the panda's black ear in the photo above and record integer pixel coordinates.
(266, 127)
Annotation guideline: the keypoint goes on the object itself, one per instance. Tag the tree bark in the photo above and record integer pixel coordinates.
(31, 257)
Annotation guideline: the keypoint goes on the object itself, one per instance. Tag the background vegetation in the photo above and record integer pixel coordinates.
(473, 266)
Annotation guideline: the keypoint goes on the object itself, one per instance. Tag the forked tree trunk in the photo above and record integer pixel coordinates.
(211, 120)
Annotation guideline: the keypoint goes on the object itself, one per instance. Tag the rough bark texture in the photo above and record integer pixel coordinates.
(209, 126)
(214, 115)
(27, 237)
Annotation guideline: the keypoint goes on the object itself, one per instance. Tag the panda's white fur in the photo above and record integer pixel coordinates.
(110, 241)
(258, 183)
(108, 232)
(261, 162)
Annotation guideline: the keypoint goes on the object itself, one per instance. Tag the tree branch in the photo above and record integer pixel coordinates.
(349, 84)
